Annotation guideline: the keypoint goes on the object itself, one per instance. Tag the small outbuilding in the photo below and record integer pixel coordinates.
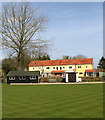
(23, 77)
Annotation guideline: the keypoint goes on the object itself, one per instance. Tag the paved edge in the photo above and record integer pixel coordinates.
(54, 83)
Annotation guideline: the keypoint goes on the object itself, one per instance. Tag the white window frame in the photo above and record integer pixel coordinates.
(32, 77)
(11, 78)
(22, 78)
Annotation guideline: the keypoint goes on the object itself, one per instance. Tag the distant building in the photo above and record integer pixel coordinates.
(100, 72)
(49, 68)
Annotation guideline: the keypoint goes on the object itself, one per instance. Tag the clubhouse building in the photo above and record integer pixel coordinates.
(75, 68)
(23, 77)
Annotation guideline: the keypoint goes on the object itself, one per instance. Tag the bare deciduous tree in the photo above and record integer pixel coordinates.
(20, 23)
(79, 56)
(65, 57)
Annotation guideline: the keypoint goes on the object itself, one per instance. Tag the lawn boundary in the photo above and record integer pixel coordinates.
(56, 83)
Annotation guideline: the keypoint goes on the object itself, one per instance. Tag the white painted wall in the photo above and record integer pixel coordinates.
(66, 77)
(78, 79)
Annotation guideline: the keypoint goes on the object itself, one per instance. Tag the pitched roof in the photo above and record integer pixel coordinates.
(58, 71)
(62, 62)
(89, 70)
(23, 73)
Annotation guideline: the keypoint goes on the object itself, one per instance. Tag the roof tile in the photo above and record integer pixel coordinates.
(62, 62)
(89, 70)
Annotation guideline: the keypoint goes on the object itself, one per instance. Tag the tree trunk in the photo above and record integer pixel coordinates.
(20, 22)
(20, 61)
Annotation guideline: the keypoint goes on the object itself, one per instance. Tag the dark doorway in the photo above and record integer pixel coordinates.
(71, 77)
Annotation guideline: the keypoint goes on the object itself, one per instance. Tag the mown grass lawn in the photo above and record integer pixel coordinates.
(52, 101)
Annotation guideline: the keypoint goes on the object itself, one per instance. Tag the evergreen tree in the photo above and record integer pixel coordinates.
(101, 63)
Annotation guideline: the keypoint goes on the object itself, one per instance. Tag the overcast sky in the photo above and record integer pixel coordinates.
(74, 28)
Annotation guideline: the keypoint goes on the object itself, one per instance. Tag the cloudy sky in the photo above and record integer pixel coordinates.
(74, 28)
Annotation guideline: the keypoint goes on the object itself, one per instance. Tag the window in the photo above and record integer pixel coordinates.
(22, 78)
(79, 66)
(47, 67)
(86, 66)
(47, 74)
(33, 68)
(90, 73)
(57, 68)
(70, 66)
(32, 77)
(81, 73)
(53, 67)
(11, 78)
(60, 68)
(63, 67)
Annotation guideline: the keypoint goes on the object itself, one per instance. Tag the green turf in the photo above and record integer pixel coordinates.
(53, 101)
(0, 101)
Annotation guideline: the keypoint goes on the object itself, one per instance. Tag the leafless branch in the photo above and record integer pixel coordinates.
(20, 22)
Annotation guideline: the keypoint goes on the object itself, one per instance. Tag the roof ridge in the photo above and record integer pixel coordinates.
(61, 62)
(63, 59)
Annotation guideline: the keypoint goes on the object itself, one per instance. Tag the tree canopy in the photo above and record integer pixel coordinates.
(101, 63)
(21, 24)
(10, 64)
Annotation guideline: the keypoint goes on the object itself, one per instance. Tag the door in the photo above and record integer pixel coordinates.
(71, 77)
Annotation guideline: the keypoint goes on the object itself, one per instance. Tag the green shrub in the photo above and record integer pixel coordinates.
(4, 79)
(44, 79)
(47, 79)
(59, 79)
(92, 79)
(54, 77)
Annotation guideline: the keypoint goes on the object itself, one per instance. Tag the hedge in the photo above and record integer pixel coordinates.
(47, 79)
(91, 79)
